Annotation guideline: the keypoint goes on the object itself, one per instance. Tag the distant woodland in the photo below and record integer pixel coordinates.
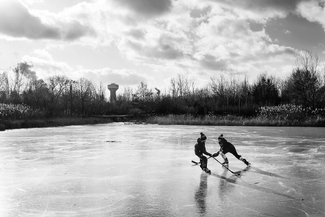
(301, 94)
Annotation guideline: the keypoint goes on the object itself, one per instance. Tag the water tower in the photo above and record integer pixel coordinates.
(112, 88)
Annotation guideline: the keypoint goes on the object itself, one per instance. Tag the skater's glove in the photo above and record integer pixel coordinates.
(215, 154)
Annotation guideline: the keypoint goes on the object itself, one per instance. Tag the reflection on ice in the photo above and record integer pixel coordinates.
(146, 170)
(201, 193)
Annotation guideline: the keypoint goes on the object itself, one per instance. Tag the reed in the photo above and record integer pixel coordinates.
(53, 122)
(230, 120)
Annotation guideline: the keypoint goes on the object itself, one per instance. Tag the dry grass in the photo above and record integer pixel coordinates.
(53, 122)
(231, 121)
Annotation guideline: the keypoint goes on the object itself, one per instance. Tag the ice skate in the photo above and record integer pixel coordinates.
(246, 162)
(226, 163)
(207, 170)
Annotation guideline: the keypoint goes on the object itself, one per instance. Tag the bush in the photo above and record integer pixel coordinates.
(292, 114)
(136, 112)
(287, 112)
(18, 111)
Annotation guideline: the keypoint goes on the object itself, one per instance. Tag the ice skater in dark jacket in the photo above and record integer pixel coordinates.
(226, 147)
(200, 151)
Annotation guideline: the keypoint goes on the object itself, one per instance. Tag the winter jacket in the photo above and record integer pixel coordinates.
(200, 149)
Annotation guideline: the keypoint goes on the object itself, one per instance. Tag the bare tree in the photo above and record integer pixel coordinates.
(23, 77)
(173, 88)
(4, 86)
(265, 91)
(127, 94)
(245, 90)
(308, 61)
(86, 92)
(143, 92)
(219, 88)
(182, 85)
(304, 85)
(101, 92)
(56, 86)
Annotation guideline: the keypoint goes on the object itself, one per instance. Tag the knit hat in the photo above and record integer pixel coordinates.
(221, 137)
(203, 137)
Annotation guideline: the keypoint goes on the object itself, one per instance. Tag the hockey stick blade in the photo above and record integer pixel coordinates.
(195, 162)
(236, 174)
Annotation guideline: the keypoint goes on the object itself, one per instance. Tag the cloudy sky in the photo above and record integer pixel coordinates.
(129, 41)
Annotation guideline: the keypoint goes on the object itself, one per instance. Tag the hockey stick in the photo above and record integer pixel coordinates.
(235, 173)
(196, 163)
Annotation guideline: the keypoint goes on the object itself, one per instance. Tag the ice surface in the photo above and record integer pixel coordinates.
(146, 170)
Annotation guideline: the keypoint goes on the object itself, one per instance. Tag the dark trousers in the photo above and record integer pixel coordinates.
(232, 150)
(204, 162)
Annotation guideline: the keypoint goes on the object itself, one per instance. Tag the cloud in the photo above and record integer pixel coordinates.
(15, 20)
(161, 51)
(212, 63)
(124, 77)
(149, 8)
(313, 11)
(137, 34)
(45, 66)
(261, 10)
(32, 1)
(18, 21)
(203, 36)
(284, 5)
(287, 32)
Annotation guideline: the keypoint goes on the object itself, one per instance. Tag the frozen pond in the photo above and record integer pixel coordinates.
(145, 170)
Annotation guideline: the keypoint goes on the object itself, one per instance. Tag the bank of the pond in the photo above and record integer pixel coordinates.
(165, 120)
(232, 121)
(52, 122)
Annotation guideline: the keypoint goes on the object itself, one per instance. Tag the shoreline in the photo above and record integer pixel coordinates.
(234, 121)
(162, 120)
(50, 122)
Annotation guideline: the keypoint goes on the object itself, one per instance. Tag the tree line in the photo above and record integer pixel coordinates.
(61, 96)
(58, 96)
